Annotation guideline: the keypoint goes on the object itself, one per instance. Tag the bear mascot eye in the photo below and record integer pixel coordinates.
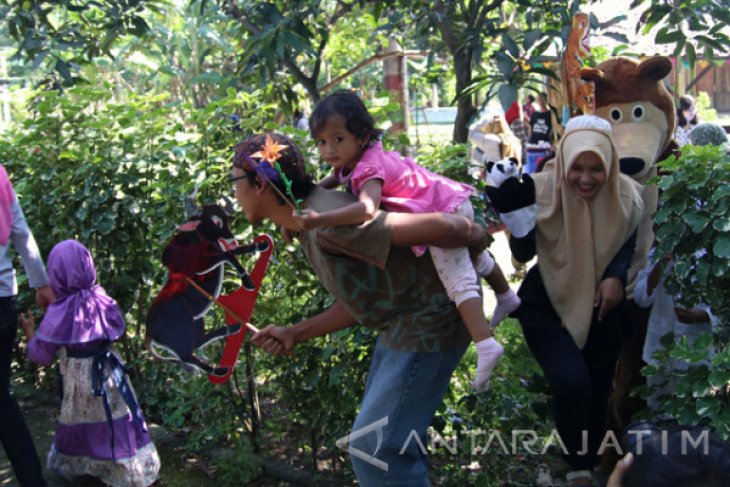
(638, 112)
(616, 114)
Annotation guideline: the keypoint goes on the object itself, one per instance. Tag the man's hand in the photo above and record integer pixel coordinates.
(609, 295)
(478, 240)
(515, 202)
(44, 297)
(277, 340)
(306, 219)
(691, 316)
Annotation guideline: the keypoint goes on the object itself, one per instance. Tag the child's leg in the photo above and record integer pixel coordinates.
(461, 283)
(507, 300)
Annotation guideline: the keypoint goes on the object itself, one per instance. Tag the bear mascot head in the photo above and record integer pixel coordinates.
(632, 97)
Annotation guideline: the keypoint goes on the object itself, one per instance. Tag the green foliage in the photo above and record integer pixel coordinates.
(64, 34)
(687, 25)
(518, 399)
(693, 226)
(705, 111)
(693, 215)
(189, 51)
(452, 161)
(114, 175)
(699, 388)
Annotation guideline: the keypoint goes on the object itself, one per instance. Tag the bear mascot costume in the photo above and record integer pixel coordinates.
(632, 97)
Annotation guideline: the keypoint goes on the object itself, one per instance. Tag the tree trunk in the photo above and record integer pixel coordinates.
(311, 86)
(465, 106)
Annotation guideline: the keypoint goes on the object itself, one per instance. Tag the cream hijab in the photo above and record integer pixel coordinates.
(577, 238)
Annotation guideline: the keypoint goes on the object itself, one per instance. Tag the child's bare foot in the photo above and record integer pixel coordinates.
(489, 352)
(507, 302)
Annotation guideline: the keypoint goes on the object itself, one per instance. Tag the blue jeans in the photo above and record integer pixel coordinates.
(402, 394)
(14, 434)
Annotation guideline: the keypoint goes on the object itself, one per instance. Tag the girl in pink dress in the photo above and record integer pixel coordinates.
(346, 137)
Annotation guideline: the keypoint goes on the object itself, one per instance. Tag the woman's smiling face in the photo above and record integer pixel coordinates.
(586, 175)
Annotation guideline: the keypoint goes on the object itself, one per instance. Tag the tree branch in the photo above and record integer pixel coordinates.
(367, 62)
(240, 17)
(704, 71)
(342, 9)
(318, 60)
(486, 10)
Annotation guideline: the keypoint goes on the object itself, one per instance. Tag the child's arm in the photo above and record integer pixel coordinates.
(352, 214)
(696, 315)
(329, 182)
(39, 351)
(647, 281)
(27, 323)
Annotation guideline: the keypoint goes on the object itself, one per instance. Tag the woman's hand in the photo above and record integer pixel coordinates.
(515, 200)
(27, 323)
(276, 340)
(306, 219)
(609, 295)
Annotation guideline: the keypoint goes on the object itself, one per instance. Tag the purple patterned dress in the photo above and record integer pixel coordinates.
(101, 431)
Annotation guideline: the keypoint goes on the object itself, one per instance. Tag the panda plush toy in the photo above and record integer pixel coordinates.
(512, 196)
(502, 170)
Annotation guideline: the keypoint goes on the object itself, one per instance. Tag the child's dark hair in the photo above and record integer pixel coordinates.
(681, 457)
(349, 106)
(291, 163)
(686, 102)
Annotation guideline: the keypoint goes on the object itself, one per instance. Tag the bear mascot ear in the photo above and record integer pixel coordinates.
(657, 68)
(490, 165)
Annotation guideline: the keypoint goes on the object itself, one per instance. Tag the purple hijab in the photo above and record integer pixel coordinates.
(82, 311)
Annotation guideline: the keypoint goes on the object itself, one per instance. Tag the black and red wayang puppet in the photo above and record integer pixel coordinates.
(195, 257)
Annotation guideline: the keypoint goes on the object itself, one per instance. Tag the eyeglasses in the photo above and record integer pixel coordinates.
(234, 180)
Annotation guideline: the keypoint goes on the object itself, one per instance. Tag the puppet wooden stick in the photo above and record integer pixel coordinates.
(228, 310)
(285, 198)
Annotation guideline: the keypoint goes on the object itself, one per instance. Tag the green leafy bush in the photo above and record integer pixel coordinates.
(693, 215)
(708, 133)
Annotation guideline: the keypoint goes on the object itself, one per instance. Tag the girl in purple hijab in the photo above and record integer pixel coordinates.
(101, 431)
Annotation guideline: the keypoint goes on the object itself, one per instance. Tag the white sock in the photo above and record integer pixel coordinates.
(488, 353)
(484, 264)
(507, 302)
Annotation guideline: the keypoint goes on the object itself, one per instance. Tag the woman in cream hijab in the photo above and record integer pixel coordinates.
(572, 301)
